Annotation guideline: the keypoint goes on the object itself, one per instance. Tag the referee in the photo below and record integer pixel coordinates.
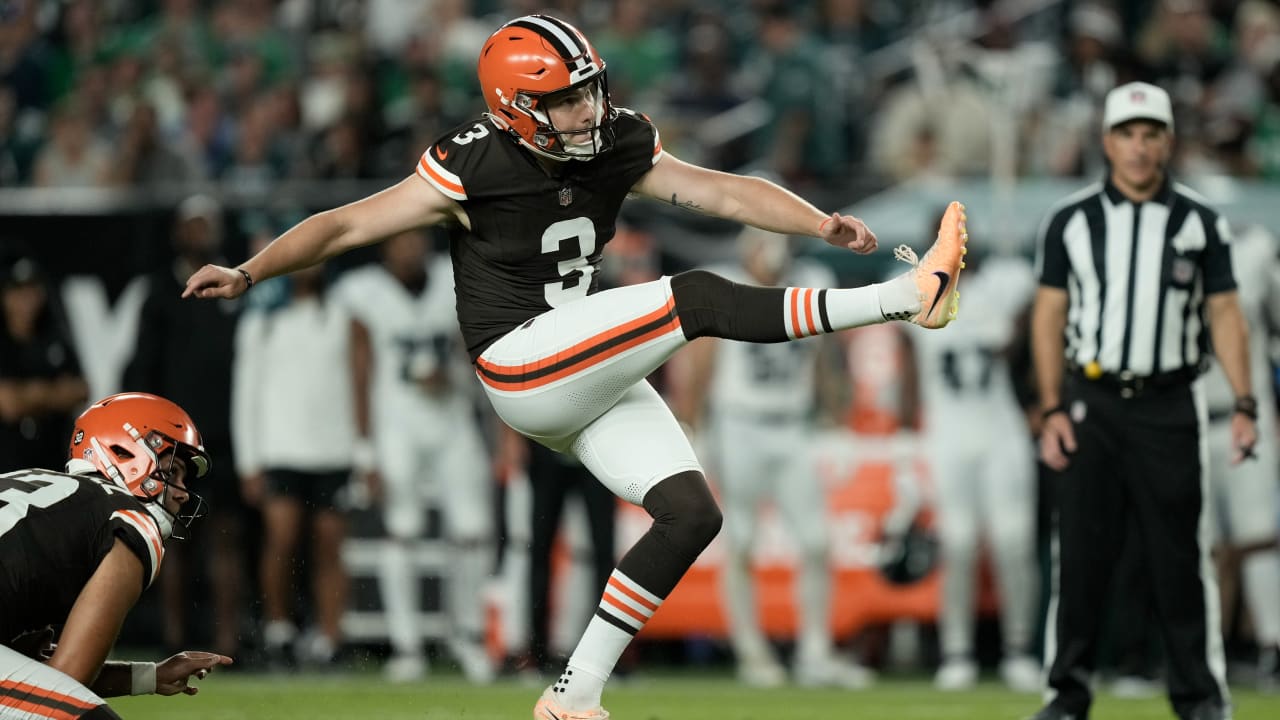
(1135, 281)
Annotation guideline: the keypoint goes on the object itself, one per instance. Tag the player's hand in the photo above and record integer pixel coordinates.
(174, 674)
(1244, 435)
(1057, 441)
(849, 232)
(216, 281)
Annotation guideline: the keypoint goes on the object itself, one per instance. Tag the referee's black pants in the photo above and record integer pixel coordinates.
(1138, 460)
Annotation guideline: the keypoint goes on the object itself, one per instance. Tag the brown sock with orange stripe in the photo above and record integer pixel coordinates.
(709, 305)
(685, 520)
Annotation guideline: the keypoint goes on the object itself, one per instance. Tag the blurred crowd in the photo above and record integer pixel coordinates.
(249, 92)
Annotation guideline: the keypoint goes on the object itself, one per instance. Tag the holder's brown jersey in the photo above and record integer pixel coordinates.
(55, 529)
(536, 234)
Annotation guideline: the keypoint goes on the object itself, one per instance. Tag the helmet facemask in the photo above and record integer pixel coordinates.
(156, 454)
(556, 144)
(194, 507)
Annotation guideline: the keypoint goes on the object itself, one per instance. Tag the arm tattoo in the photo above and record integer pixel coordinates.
(687, 204)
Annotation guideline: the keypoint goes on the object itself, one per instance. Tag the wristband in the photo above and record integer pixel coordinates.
(823, 226)
(248, 279)
(1053, 411)
(1246, 405)
(144, 678)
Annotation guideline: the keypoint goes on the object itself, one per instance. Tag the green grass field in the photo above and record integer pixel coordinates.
(654, 697)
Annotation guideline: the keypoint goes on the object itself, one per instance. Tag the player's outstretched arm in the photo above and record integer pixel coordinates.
(96, 617)
(751, 201)
(410, 203)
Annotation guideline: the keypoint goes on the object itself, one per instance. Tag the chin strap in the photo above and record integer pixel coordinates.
(164, 519)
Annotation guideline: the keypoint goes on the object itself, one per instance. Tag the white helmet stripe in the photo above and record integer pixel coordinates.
(566, 38)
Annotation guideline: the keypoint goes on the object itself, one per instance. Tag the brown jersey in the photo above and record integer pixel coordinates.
(55, 529)
(536, 234)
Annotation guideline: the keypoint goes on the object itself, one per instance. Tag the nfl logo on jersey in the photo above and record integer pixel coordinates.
(566, 196)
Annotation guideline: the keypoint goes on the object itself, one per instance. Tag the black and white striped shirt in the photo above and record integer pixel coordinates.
(1136, 274)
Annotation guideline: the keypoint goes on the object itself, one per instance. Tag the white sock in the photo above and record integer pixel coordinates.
(398, 584)
(956, 615)
(1261, 572)
(468, 574)
(582, 682)
(854, 307)
(740, 601)
(278, 633)
(899, 297)
(813, 597)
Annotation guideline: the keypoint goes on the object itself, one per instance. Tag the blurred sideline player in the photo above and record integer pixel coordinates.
(760, 402)
(77, 550)
(412, 401)
(1246, 494)
(293, 429)
(539, 181)
(983, 465)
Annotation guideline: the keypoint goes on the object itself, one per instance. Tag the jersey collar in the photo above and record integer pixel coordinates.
(1164, 195)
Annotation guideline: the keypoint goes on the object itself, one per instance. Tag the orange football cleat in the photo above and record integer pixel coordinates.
(548, 708)
(937, 274)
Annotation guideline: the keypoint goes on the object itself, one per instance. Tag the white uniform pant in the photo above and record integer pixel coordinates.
(573, 379)
(31, 690)
(1246, 496)
(759, 461)
(448, 465)
(986, 492)
(1246, 500)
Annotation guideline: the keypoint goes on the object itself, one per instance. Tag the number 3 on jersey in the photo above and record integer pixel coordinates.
(24, 490)
(575, 272)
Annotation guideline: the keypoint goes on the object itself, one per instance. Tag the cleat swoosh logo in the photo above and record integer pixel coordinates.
(943, 279)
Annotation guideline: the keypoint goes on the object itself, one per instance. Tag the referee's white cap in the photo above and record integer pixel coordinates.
(1137, 101)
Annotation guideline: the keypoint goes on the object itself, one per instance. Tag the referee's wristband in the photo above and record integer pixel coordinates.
(1059, 408)
(1246, 405)
(143, 678)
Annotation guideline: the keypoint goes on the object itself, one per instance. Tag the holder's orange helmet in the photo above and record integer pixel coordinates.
(124, 436)
(530, 58)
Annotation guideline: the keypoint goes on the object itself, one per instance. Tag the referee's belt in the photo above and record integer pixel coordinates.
(1129, 385)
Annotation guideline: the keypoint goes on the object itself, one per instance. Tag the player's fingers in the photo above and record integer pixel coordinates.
(865, 240)
(1068, 438)
(198, 282)
(1051, 450)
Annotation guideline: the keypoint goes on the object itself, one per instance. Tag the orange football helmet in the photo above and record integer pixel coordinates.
(530, 58)
(124, 436)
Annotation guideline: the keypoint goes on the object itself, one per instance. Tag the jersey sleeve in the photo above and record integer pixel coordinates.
(638, 145)
(1218, 275)
(432, 169)
(140, 534)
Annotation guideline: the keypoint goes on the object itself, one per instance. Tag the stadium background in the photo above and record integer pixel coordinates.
(113, 112)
